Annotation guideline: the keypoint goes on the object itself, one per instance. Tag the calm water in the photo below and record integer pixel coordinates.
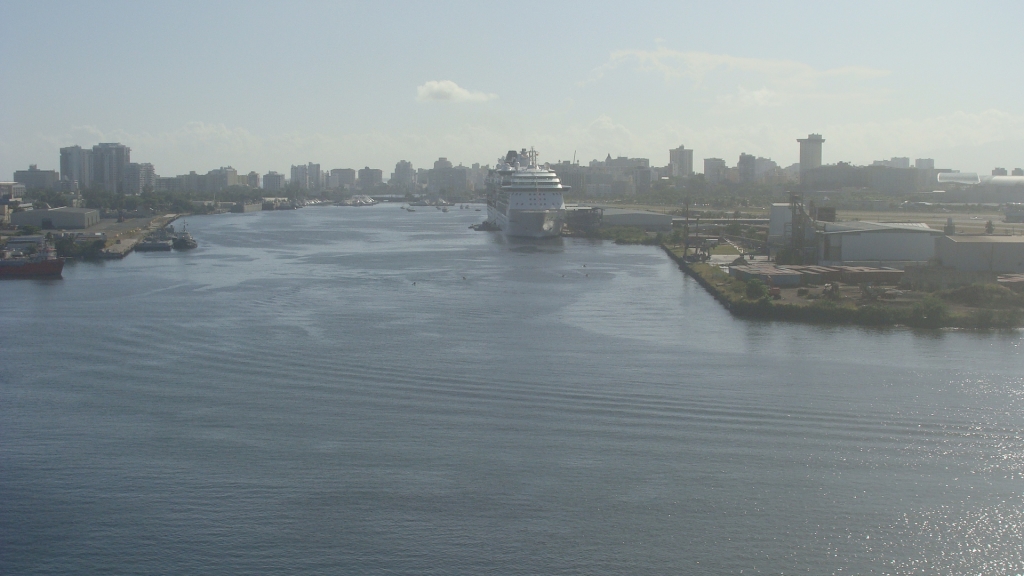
(367, 390)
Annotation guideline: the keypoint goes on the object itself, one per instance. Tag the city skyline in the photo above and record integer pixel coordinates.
(923, 81)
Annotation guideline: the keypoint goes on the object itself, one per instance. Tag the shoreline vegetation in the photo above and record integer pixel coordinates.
(977, 306)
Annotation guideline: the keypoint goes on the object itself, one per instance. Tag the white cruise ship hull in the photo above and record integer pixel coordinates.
(528, 223)
(525, 202)
(534, 223)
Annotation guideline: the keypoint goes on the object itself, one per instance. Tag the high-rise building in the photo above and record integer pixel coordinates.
(643, 178)
(448, 180)
(680, 162)
(300, 177)
(253, 180)
(307, 177)
(139, 178)
(747, 167)
(34, 178)
(572, 176)
(167, 184)
(273, 181)
(404, 176)
(810, 153)
(766, 170)
(315, 176)
(76, 165)
(715, 169)
(109, 164)
(1018, 171)
(370, 177)
(999, 171)
(924, 164)
(341, 178)
(191, 182)
(221, 178)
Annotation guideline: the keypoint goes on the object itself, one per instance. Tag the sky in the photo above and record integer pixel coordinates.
(264, 85)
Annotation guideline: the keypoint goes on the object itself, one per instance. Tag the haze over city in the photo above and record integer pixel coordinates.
(193, 86)
(515, 288)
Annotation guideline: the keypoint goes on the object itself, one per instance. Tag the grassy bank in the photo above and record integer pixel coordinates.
(980, 306)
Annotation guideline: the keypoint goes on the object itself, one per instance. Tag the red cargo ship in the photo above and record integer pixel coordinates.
(45, 264)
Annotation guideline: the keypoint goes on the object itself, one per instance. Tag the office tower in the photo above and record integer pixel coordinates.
(747, 167)
(680, 161)
(139, 178)
(370, 177)
(76, 165)
(810, 153)
(109, 165)
(342, 178)
(404, 175)
(714, 169)
(273, 181)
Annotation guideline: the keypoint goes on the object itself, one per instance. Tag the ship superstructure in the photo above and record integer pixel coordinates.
(524, 199)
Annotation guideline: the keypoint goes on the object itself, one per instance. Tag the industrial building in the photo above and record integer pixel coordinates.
(779, 218)
(57, 218)
(1002, 254)
(876, 242)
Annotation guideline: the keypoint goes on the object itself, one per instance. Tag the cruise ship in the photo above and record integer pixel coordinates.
(524, 199)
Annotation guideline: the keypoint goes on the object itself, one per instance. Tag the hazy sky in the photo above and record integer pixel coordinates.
(260, 86)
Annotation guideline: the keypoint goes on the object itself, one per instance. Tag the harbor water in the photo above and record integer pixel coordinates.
(374, 391)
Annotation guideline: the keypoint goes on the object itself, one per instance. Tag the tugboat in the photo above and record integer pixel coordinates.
(184, 240)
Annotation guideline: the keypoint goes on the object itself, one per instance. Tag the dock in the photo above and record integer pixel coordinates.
(123, 242)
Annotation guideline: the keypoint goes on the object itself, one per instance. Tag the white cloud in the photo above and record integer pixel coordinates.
(448, 91)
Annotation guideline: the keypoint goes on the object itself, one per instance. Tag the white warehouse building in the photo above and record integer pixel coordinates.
(889, 244)
(1000, 254)
(57, 218)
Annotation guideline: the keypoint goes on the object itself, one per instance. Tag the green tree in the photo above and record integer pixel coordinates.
(756, 290)
(989, 227)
